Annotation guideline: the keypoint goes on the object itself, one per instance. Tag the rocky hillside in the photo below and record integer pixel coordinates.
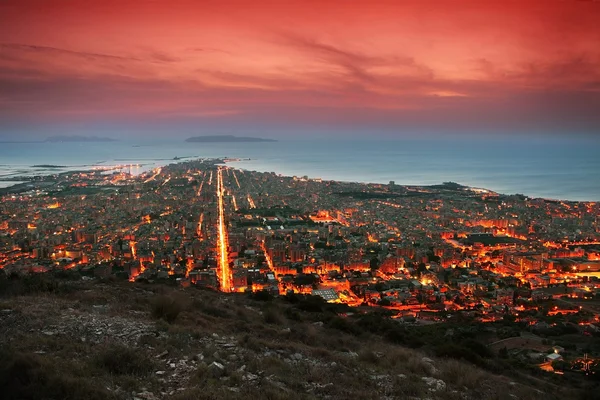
(73, 339)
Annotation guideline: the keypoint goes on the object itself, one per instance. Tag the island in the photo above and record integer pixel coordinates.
(75, 138)
(226, 139)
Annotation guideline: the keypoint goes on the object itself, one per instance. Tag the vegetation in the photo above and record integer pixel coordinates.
(166, 308)
(116, 340)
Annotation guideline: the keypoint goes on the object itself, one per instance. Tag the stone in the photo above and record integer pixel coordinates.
(146, 395)
(250, 377)
(217, 370)
(163, 354)
(434, 385)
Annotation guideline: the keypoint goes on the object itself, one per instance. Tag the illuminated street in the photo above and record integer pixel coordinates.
(224, 272)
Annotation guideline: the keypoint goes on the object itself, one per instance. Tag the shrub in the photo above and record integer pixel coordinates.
(273, 316)
(121, 360)
(451, 350)
(311, 304)
(262, 295)
(166, 308)
(342, 324)
(25, 376)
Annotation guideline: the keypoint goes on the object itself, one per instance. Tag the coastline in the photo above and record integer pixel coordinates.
(30, 183)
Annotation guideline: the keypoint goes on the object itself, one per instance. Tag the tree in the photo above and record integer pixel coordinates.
(503, 352)
(560, 365)
(374, 264)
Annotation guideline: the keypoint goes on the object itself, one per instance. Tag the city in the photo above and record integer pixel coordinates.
(426, 255)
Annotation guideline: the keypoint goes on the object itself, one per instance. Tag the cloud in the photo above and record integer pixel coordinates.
(54, 51)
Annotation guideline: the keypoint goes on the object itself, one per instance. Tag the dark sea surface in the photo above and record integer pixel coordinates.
(558, 168)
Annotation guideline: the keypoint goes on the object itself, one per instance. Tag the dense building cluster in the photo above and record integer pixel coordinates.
(426, 253)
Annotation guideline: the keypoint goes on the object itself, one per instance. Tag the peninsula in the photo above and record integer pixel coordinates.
(226, 139)
(75, 138)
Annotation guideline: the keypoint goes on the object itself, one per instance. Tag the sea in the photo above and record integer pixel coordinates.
(555, 168)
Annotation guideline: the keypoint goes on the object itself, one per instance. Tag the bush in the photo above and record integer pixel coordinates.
(273, 316)
(262, 295)
(121, 360)
(166, 308)
(16, 285)
(311, 304)
(24, 376)
(342, 324)
(451, 350)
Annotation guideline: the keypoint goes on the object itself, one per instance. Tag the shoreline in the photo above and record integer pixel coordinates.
(25, 181)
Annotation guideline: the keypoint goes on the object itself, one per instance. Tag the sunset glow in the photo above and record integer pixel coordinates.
(465, 64)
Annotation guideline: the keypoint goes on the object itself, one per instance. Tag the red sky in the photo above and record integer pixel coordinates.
(497, 65)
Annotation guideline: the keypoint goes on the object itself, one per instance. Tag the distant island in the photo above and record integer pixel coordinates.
(226, 139)
(86, 139)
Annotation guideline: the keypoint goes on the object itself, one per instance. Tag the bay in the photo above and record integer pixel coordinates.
(557, 168)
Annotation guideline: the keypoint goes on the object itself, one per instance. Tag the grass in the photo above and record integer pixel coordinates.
(339, 357)
(167, 308)
(121, 360)
(29, 376)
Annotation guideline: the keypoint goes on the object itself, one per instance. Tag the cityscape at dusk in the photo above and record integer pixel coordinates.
(299, 199)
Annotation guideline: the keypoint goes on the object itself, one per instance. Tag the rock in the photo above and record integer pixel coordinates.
(215, 336)
(428, 363)
(250, 377)
(435, 385)
(232, 357)
(296, 356)
(217, 370)
(146, 395)
(160, 372)
(172, 365)
(318, 323)
(402, 376)
(352, 354)
(163, 354)
(199, 357)
(378, 377)
(285, 331)
(49, 333)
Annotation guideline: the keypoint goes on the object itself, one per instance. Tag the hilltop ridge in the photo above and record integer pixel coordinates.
(106, 339)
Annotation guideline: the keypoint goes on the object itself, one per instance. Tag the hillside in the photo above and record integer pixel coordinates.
(64, 338)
